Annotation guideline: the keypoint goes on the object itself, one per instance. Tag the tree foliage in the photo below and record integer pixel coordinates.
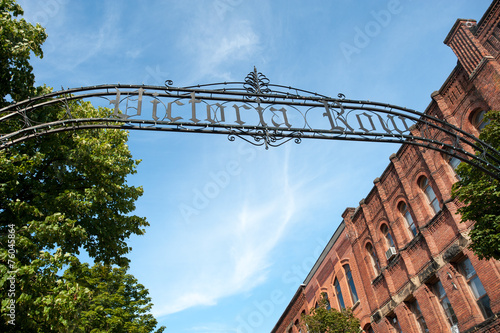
(323, 319)
(481, 195)
(59, 195)
(118, 302)
(69, 190)
(18, 39)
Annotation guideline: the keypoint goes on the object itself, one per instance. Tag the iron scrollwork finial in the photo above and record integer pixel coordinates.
(256, 83)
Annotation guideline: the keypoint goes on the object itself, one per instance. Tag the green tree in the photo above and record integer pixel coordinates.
(322, 319)
(18, 39)
(481, 195)
(69, 189)
(59, 195)
(119, 303)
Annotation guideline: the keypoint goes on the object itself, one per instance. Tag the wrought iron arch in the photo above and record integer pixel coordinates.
(255, 110)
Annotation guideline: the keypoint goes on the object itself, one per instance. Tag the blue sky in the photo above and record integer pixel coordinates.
(234, 264)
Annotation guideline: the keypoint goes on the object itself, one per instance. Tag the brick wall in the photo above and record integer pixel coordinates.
(427, 267)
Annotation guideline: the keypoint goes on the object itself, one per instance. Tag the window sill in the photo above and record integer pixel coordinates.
(378, 279)
(433, 219)
(414, 241)
(355, 305)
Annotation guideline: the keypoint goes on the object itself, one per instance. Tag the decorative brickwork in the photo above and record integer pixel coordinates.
(406, 247)
(325, 272)
(310, 293)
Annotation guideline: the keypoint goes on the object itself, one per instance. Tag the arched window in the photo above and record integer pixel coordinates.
(387, 235)
(452, 161)
(419, 317)
(393, 320)
(478, 120)
(350, 281)
(339, 294)
(429, 193)
(297, 326)
(368, 328)
(373, 258)
(445, 303)
(327, 301)
(476, 287)
(403, 208)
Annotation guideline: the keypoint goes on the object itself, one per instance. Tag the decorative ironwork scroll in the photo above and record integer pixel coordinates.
(255, 110)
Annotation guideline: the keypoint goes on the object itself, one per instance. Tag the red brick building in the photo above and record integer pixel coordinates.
(400, 259)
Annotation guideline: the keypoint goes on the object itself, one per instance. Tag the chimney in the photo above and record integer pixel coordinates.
(466, 46)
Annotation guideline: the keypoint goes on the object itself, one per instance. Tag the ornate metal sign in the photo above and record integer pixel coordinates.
(254, 110)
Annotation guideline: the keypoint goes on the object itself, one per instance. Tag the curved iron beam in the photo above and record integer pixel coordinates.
(260, 96)
(260, 135)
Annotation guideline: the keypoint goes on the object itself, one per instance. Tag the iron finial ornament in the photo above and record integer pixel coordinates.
(256, 83)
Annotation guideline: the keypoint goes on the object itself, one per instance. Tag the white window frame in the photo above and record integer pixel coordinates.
(405, 211)
(449, 313)
(373, 258)
(432, 199)
(476, 287)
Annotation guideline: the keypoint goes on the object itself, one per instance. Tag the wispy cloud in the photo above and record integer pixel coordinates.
(86, 40)
(214, 44)
(229, 253)
(229, 248)
(96, 40)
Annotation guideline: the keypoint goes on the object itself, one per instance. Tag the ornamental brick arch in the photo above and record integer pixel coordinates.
(467, 121)
(254, 110)
(380, 224)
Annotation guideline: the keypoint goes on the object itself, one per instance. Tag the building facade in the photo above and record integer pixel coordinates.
(400, 259)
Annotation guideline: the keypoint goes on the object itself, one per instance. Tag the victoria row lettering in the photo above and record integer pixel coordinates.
(216, 114)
